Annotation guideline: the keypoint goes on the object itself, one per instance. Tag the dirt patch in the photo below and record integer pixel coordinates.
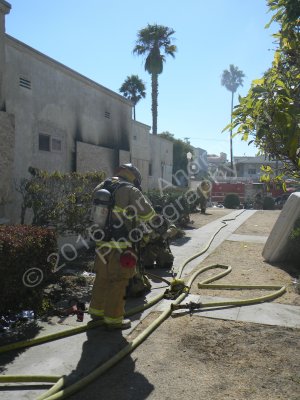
(261, 223)
(245, 258)
(248, 268)
(201, 358)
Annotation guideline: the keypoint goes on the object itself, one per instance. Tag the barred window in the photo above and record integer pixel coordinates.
(44, 142)
(55, 144)
(49, 143)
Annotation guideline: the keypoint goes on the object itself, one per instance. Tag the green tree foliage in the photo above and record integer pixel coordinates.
(232, 79)
(269, 115)
(155, 42)
(62, 201)
(180, 150)
(133, 88)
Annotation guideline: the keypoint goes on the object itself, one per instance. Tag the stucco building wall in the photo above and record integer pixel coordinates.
(7, 144)
(140, 150)
(92, 158)
(63, 121)
(161, 162)
(58, 102)
(48, 99)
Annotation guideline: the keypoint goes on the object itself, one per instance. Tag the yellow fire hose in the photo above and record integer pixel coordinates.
(61, 394)
(72, 331)
(83, 328)
(57, 391)
(279, 290)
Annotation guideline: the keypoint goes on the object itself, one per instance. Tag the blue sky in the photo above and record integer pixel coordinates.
(96, 39)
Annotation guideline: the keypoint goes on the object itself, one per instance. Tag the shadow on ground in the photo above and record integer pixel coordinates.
(22, 331)
(181, 241)
(287, 266)
(99, 347)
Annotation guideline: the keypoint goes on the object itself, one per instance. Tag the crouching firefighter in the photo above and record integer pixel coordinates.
(155, 248)
(118, 205)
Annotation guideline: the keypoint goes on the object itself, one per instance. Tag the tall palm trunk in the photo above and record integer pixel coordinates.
(231, 150)
(154, 79)
(232, 79)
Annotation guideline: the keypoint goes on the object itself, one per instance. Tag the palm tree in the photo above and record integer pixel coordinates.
(232, 79)
(133, 89)
(151, 41)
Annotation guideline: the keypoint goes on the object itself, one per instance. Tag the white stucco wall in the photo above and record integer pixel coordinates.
(4, 9)
(161, 161)
(7, 144)
(92, 158)
(62, 104)
(152, 154)
(87, 126)
(140, 150)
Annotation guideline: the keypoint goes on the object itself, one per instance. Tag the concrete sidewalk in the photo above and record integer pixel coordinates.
(83, 352)
(263, 313)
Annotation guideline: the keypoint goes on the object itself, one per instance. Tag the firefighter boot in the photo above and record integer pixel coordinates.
(125, 324)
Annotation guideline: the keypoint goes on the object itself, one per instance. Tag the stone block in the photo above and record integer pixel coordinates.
(276, 245)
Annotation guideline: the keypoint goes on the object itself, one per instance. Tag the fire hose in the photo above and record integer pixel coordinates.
(59, 391)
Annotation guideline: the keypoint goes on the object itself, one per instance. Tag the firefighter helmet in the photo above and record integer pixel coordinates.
(131, 173)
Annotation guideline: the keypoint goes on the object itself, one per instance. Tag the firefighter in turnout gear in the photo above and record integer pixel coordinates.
(156, 250)
(116, 255)
(204, 193)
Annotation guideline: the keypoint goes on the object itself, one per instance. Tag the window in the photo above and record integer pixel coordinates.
(44, 142)
(48, 143)
(55, 144)
(150, 169)
(251, 171)
(134, 137)
(107, 114)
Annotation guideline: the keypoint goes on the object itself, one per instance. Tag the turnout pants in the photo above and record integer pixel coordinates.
(108, 294)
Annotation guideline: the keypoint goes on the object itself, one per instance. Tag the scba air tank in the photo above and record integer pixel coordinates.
(101, 206)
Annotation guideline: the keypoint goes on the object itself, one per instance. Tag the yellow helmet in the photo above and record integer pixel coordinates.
(205, 186)
(130, 173)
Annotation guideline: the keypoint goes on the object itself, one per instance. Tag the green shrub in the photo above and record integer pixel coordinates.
(177, 204)
(232, 200)
(295, 234)
(293, 248)
(62, 200)
(268, 203)
(24, 266)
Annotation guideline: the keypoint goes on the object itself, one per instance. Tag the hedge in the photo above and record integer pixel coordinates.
(24, 266)
(293, 247)
(232, 201)
(61, 200)
(177, 203)
(268, 203)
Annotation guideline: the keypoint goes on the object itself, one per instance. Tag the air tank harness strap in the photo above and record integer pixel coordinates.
(130, 213)
(113, 244)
